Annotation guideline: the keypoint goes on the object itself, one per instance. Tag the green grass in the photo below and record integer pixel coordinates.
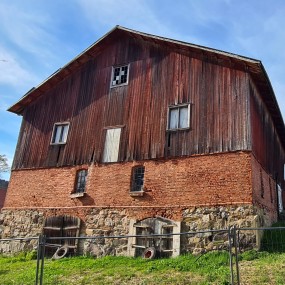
(211, 268)
(262, 268)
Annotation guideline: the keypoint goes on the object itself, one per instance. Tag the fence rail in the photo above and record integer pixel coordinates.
(234, 240)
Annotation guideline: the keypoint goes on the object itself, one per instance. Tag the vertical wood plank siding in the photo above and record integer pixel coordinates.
(266, 145)
(158, 77)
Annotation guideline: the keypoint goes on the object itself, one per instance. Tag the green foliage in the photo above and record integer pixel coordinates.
(4, 167)
(273, 240)
(249, 255)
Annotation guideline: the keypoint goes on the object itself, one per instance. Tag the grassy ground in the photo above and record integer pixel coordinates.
(211, 268)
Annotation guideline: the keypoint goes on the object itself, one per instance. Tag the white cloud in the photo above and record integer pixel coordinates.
(26, 29)
(12, 72)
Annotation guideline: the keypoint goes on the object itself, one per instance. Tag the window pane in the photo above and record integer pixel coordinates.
(120, 75)
(57, 133)
(183, 117)
(81, 181)
(138, 178)
(112, 143)
(65, 132)
(173, 118)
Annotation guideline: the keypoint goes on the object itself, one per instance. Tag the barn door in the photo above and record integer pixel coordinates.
(61, 226)
(112, 144)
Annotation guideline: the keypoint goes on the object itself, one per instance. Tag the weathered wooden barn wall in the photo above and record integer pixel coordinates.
(266, 144)
(158, 78)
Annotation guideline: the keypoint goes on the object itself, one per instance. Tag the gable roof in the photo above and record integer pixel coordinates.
(252, 66)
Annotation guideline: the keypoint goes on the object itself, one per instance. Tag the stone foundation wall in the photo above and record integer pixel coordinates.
(105, 222)
(20, 224)
(222, 218)
(116, 222)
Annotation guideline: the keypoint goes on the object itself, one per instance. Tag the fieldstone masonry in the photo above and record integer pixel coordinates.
(20, 224)
(116, 222)
(105, 222)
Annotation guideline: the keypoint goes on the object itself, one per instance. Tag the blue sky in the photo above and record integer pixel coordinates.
(37, 37)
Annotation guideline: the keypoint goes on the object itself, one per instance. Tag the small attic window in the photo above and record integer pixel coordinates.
(120, 75)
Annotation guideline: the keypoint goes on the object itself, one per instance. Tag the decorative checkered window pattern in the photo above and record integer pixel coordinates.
(120, 75)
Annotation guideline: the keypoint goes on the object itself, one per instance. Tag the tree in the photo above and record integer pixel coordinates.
(4, 167)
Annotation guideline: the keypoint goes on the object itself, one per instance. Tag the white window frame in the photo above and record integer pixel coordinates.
(113, 70)
(179, 106)
(55, 140)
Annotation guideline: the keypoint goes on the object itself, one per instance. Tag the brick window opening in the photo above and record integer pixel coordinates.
(137, 178)
(80, 184)
(60, 132)
(179, 117)
(120, 75)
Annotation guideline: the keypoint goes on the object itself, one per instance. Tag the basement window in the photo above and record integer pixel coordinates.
(137, 182)
(120, 75)
(178, 117)
(60, 132)
(158, 233)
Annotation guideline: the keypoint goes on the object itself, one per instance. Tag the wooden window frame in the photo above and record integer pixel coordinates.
(178, 106)
(112, 77)
(53, 140)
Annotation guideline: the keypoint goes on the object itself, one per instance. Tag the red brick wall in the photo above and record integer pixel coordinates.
(215, 179)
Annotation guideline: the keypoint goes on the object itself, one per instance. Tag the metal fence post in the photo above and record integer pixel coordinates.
(43, 258)
(236, 253)
(38, 259)
(231, 256)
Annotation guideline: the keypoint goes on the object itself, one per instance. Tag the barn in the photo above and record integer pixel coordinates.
(142, 134)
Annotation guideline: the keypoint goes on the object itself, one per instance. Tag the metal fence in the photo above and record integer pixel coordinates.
(236, 241)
